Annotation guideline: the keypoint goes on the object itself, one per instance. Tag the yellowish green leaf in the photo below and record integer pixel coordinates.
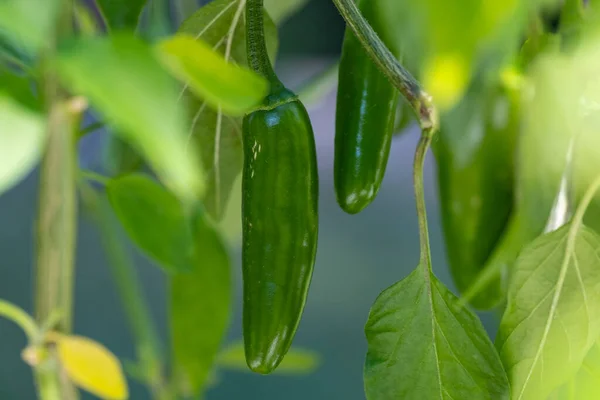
(92, 367)
(222, 84)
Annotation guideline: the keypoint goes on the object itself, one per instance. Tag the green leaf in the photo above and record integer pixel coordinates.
(215, 136)
(29, 22)
(221, 84)
(22, 139)
(120, 14)
(422, 346)
(280, 10)
(19, 88)
(552, 317)
(585, 385)
(154, 219)
(200, 309)
(296, 362)
(126, 84)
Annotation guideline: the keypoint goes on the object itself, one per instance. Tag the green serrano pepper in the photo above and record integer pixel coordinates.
(365, 117)
(279, 212)
(475, 156)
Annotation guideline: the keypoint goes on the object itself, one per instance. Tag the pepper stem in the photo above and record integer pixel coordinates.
(258, 56)
(421, 152)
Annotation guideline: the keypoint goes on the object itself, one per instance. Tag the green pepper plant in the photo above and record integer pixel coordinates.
(506, 93)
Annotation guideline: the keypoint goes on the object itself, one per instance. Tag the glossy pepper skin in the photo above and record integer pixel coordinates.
(280, 225)
(365, 117)
(475, 157)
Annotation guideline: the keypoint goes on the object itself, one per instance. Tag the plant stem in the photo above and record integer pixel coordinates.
(56, 223)
(129, 290)
(419, 163)
(258, 57)
(21, 318)
(408, 86)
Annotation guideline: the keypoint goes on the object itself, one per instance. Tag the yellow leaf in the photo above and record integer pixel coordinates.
(446, 77)
(92, 367)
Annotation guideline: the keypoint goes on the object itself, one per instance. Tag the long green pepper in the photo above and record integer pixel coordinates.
(279, 211)
(365, 117)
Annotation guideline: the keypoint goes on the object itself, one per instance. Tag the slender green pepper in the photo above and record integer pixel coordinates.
(365, 117)
(279, 211)
(475, 156)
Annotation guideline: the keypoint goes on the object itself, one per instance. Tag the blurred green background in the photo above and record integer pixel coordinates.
(358, 256)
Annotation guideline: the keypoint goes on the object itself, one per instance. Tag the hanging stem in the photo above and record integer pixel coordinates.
(258, 57)
(419, 163)
(408, 86)
(121, 267)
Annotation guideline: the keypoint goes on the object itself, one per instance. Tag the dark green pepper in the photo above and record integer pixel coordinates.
(475, 154)
(279, 212)
(365, 118)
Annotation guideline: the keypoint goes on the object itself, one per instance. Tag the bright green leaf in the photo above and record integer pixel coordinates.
(200, 309)
(125, 83)
(296, 362)
(22, 139)
(280, 10)
(552, 318)
(154, 219)
(28, 21)
(92, 367)
(422, 346)
(217, 137)
(222, 84)
(121, 14)
(585, 385)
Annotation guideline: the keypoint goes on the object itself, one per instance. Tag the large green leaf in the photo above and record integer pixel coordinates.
(200, 309)
(297, 361)
(220, 83)
(154, 219)
(28, 22)
(585, 385)
(552, 317)
(120, 14)
(22, 139)
(125, 83)
(216, 136)
(422, 346)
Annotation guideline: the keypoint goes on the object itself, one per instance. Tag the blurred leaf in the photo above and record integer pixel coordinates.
(154, 219)
(19, 88)
(200, 309)
(22, 139)
(296, 362)
(552, 318)
(422, 346)
(120, 14)
(449, 42)
(230, 226)
(92, 367)
(145, 111)
(221, 84)
(585, 385)
(215, 136)
(280, 10)
(120, 158)
(29, 21)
